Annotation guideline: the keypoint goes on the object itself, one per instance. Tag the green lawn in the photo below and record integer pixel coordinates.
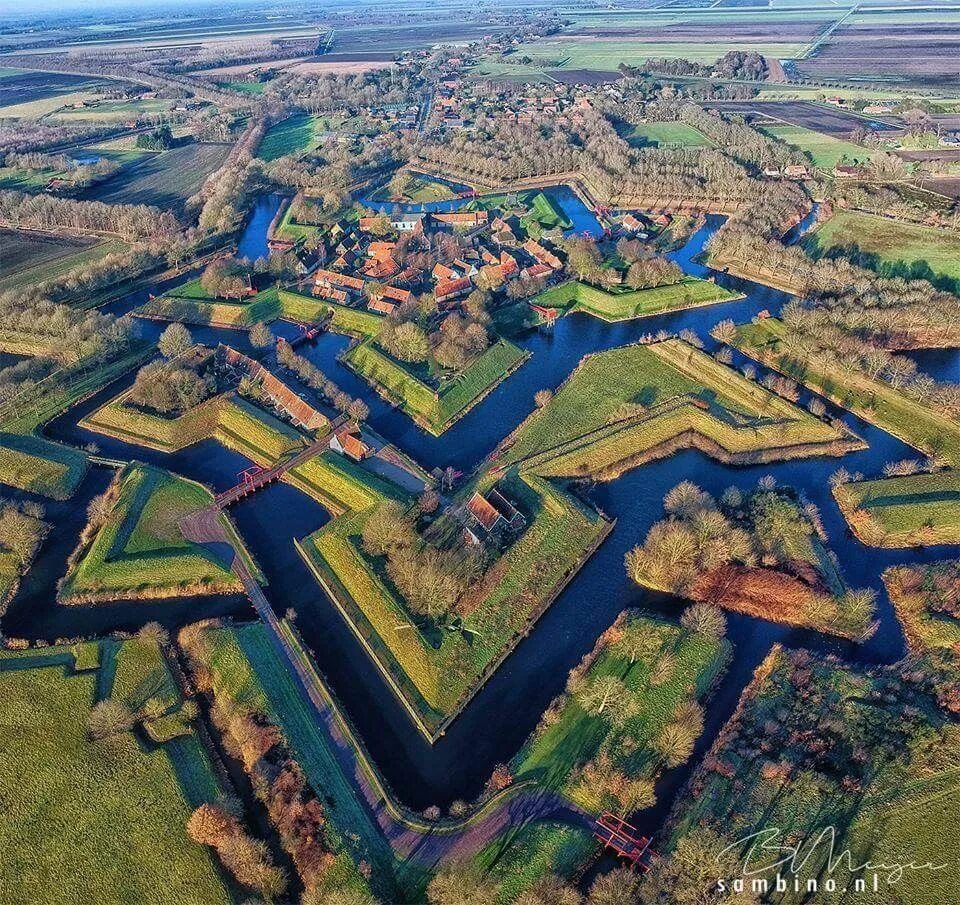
(83, 817)
(824, 150)
(892, 248)
(904, 511)
(140, 549)
(690, 292)
(873, 400)
(666, 135)
(422, 190)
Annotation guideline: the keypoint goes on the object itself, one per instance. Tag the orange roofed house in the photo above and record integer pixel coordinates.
(490, 515)
(347, 441)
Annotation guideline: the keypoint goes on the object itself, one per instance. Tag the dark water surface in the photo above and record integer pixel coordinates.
(509, 706)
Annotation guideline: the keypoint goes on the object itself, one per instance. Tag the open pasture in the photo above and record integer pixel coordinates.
(823, 150)
(295, 133)
(665, 135)
(892, 248)
(106, 815)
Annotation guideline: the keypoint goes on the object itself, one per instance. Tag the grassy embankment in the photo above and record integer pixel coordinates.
(191, 305)
(107, 815)
(436, 409)
(675, 667)
(140, 552)
(873, 400)
(883, 774)
(921, 509)
(608, 760)
(30, 462)
(895, 512)
(625, 406)
(925, 599)
(690, 292)
(12, 568)
(422, 190)
(891, 247)
(435, 676)
(246, 668)
(538, 212)
(583, 431)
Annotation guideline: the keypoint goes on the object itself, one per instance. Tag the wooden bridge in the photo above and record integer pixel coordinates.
(615, 833)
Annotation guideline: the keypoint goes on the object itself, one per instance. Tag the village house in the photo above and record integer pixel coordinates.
(348, 441)
(491, 515)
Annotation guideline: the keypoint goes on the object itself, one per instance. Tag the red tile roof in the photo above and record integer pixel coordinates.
(449, 288)
(483, 512)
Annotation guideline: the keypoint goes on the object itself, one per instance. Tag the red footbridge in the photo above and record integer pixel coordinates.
(615, 833)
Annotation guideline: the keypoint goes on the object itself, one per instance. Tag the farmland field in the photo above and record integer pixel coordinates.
(165, 179)
(30, 258)
(892, 248)
(824, 150)
(121, 807)
(920, 54)
(816, 117)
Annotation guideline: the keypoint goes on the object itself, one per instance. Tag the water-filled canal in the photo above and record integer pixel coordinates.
(509, 706)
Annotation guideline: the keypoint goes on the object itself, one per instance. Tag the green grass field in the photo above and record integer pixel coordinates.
(619, 405)
(140, 550)
(31, 462)
(165, 179)
(892, 248)
(434, 675)
(247, 669)
(557, 751)
(295, 133)
(422, 190)
(80, 815)
(605, 56)
(627, 305)
(904, 511)
(521, 856)
(873, 400)
(666, 135)
(31, 258)
(436, 409)
(877, 736)
(824, 150)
